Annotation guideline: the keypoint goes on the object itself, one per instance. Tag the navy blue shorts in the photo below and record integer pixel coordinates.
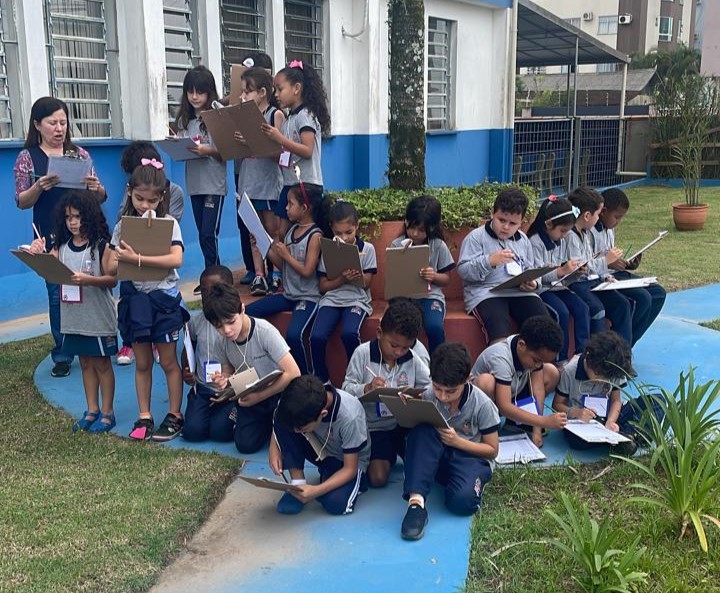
(263, 205)
(77, 345)
(163, 317)
(388, 444)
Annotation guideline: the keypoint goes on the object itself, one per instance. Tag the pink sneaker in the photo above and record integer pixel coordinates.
(125, 356)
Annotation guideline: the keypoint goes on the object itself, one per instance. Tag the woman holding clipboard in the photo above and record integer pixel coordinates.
(48, 135)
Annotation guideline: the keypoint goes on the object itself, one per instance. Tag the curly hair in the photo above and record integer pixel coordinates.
(314, 96)
(609, 356)
(402, 317)
(93, 225)
(450, 364)
(511, 200)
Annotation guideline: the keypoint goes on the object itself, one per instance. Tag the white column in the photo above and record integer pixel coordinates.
(209, 30)
(276, 33)
(32, 52)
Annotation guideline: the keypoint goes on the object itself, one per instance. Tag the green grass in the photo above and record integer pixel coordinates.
(513, 512)
(682, 259)
(713, 324)
(89, 513)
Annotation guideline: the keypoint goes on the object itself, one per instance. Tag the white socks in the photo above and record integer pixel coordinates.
(417, 499)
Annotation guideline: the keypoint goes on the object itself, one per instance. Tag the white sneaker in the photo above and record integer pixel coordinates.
(125, 356)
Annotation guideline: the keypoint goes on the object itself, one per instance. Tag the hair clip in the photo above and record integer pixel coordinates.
(296, 64)
(552, 198)
(248, 63)
(576, 211)
(151, 163)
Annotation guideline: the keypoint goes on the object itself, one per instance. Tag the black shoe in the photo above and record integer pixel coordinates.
(413, 525)
(197, 291)
(61, 369)
(259, 286)
(626, 449)
(169, 429)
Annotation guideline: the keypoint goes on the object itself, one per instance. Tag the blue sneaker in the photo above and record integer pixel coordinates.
(99, 426)
(289, 505)
(87, 420)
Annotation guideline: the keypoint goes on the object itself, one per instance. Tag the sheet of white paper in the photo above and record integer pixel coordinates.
(594, 432)
(631, 283)
(598, 404)
(252, 221)
(189, 351)
(661, 235)
(530, 406)
(518, 449)
(71, 171)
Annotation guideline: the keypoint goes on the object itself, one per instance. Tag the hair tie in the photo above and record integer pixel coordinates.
(248, 63)
(552, 198)
(304, 195)
(151, 163)
(576, 211)
(296, 64)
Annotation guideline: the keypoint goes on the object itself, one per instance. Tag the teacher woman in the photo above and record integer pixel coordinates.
(48, 135)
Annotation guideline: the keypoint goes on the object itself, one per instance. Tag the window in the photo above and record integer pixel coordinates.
(304, 32)
(574, 21)
(78, 63)
(607, 25)
(440, 74)
(606, 68)
(243, 31)
(666, 28)
(536, 70)
(180, 48)
(5, 114)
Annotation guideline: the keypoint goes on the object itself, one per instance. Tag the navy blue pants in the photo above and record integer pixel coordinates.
(296, 450)
(253, 425)
(53, 292)
(434, 321)
(498, 313)
(207, 210)
(303, 313)
(564, 303)
(648, 303)
(616, 308)
(327, 318)
(207, 422)
(427, 460)
(245, 244)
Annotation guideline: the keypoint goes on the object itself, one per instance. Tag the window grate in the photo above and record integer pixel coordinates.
(78, 64)
(179, 48)
(439, 74)
(5, 113)
(304, 32)
(243, 31)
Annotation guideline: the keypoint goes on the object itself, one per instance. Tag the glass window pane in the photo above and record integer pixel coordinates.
(243, 31)
(177, 18)
(304, 32)
(439, 86)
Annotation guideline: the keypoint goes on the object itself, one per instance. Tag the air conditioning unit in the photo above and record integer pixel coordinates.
(624, 19)
(588, 16)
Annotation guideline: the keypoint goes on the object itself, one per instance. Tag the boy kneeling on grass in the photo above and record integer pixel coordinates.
(459, 457)
(326, 426)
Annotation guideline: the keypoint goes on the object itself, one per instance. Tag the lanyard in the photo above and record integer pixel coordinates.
(244, 364)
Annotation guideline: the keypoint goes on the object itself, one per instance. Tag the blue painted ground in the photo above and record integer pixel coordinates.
(366, 544)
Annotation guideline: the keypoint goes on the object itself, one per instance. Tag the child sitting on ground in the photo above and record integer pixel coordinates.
(459, 457)
(326, 426)
(518, 373)
(387, 361)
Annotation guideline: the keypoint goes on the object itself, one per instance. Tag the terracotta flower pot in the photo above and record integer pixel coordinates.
(690, 218)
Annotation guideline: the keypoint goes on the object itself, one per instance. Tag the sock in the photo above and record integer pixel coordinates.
(298, 482)
(417, 499)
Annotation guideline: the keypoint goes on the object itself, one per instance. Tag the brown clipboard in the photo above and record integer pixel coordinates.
(222, 125)
(177, 148)
(373, 396)
(338, 257)
(414, 411)
(236, 72)
(245, 383)
(270, 484)
(147, 236)
(526, 276)
(45, 265)
(402, 271)
(250, 121)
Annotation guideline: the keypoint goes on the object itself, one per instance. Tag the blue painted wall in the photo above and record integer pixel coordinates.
(349, 162)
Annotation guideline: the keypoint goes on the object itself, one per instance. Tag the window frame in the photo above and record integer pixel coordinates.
(611, 23)
(448, 122)
(320, 36)
(262, 14)
(665, 37)
(192, 50)
(10, 53)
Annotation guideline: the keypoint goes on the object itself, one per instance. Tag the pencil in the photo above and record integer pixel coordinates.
(369, 370)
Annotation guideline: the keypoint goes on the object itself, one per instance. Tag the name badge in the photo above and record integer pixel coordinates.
(70, 293)
(284, 160)
(514, 268)
(211, 367)
(528, 404)
(382, 410)
(596, 403)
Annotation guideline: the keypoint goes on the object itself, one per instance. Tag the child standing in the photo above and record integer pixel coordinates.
(387, 361)
(261, 179)
(459, 457)
(582, 247)
(342, 300)
(547, 233)
(310, 412)
(149, 312)
(423, 226)
(648, 301)
(299, 89)
(518, 373)
(205, 178)
(298, 258)
(87, 311)
(492, 255)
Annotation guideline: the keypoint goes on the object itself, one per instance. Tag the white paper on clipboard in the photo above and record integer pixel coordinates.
(250, 217)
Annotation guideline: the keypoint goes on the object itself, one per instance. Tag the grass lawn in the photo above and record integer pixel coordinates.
(681, 260)
(513, 511)
(89, 513)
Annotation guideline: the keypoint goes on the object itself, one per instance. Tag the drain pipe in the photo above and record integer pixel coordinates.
(366, 20)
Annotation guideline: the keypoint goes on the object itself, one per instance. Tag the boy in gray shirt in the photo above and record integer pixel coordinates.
(325, 426)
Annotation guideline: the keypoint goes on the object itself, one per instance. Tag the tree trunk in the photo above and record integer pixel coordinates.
(406, 168)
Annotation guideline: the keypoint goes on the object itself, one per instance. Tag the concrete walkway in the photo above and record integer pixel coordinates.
(247, 546)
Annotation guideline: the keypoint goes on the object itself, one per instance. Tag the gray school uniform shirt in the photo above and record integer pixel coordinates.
(300, 120)
(176, 207)
(207, 343)
(351, 295)
(574, 383)
(167, 284)
(547, 252)
(441, 261)
(409, 371)
(604, 240)
(261, 179)
(96, 314)
(206, 175)
(344, 430)
(476, 272)
(581, 246)
(262, 350)
(477, 415)
(502, 362)
(295, 286)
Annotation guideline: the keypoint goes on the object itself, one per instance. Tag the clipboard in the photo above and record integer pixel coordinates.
(246, 382)
(236, 71)
(45, 265)
(270, 484)
(177, 148)
(147, 236)
(594, 432)
(338, 256)
(518, 448)
(642, 282)
(415, 411)
(71, 170)
(526, 276)
(373, 396)
(402, 271)
(661, 235)
(250, 121)
(577, 272)
(222, 124)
